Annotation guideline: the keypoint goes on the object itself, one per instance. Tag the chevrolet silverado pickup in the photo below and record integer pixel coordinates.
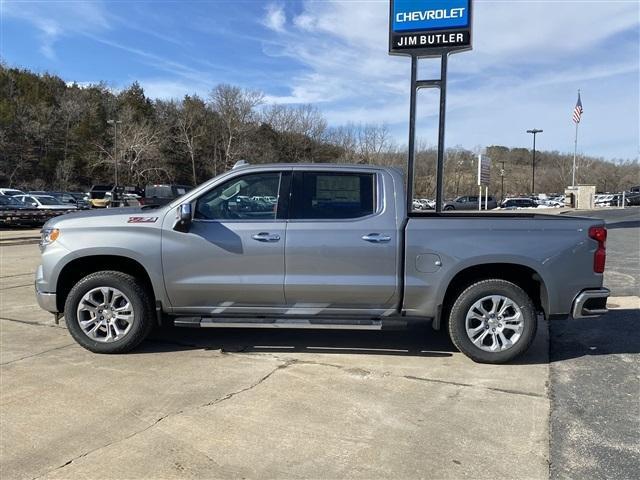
(317, 246)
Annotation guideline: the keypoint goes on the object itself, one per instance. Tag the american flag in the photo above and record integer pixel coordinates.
(577, 111)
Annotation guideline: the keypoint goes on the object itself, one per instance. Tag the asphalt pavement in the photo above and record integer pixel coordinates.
(622, 273)
(595, 370)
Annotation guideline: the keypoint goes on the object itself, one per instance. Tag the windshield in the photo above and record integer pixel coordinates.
(48, 200)
(163, 191)
(10, 201)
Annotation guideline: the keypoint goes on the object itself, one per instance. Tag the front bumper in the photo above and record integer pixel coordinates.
(47, 301)
(590, 303)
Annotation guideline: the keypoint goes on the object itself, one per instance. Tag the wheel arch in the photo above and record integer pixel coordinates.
(79, 268)
(524, 276)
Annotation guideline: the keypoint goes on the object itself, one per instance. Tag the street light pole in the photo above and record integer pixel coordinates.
(115, 156)
(535, 131)
(502, 182)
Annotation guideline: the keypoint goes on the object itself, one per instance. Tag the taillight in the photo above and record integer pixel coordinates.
(599, 234)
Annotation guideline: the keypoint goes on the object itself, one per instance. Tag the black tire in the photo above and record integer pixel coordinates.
(475, 292)
(449, 207)
(143, 312)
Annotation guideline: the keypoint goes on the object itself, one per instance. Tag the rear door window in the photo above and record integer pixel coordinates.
(333, 195)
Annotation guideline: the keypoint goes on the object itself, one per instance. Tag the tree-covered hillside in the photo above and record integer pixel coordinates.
(57, 135)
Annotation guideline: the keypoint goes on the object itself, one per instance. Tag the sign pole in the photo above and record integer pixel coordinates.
(441, 130)
(412, 134)
(428, 29)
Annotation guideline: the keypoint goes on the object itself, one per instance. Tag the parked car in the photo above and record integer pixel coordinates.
(45, 202)
(516, 203)
(131, 200)
(469, 203)
(12, 203)
(10, 192)
(98, 197)
(551, 203)
(338, 251)
(428, 204)
(632, 199)
(417, 204)
(13, 212)
(603, 200)
(78, 199)
(162, 194)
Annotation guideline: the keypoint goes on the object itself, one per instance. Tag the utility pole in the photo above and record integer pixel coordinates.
(502, 182)
(115, 157)
(535, 131)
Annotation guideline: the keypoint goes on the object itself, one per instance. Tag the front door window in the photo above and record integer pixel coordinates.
(251, 197)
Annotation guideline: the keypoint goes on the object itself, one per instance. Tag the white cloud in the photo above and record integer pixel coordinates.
(172, 89)
(526, 53)
(57, 19)
(275, 17)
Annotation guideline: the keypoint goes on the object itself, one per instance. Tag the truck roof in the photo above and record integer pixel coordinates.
(328, 166)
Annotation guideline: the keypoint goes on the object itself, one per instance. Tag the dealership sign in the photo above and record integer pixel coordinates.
(429, 27)
(484, 170)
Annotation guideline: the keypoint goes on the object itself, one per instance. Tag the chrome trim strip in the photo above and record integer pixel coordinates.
(310, 326)
(278, 323)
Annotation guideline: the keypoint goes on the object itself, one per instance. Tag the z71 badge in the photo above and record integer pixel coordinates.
(142, 220)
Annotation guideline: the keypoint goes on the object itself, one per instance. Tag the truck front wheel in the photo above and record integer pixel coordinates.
(108, 312)
(492, 321)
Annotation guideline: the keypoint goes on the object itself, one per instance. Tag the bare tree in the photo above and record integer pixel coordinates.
(236, 108)
(373, 140)
(137, 150)
(190, 122)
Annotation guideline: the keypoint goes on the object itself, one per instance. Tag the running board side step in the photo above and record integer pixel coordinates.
(297, 323)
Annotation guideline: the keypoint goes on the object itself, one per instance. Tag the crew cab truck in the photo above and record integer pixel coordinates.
(337, 249)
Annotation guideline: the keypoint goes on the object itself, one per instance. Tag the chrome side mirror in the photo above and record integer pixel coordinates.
(185, 216)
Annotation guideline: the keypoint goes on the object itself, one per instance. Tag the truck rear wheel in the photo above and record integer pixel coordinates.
(492, 321)
(108, 312)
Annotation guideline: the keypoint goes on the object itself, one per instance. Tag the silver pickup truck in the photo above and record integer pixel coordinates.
(317, 246)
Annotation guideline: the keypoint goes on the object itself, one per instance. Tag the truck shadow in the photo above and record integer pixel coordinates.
(617, 332)
(415, 341)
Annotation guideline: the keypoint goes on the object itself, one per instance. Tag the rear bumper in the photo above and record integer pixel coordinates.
(590, 303)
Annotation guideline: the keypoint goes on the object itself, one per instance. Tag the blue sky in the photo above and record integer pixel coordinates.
(528, 61)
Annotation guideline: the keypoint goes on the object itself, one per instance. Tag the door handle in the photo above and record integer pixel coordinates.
(376, 238)
(266, 237)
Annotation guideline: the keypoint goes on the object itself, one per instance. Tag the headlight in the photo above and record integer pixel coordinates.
(48, 236)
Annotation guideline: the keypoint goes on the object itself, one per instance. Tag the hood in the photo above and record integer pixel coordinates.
(106, 217)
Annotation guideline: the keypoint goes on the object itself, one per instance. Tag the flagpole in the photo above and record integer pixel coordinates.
(575, 151)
